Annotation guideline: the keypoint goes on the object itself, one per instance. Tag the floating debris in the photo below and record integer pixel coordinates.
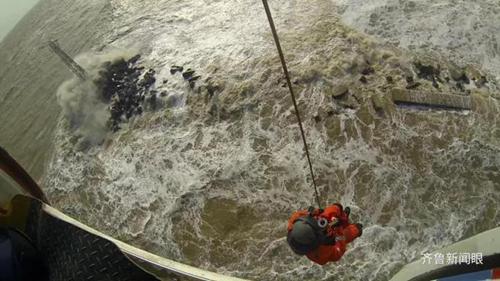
(188, 74)
(193, 78)
(401, 96)
(175, 68)
(134, 59)
(120, 86)
(411, 83)
(368, 70)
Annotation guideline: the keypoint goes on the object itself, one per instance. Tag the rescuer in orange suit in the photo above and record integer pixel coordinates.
(322, 235)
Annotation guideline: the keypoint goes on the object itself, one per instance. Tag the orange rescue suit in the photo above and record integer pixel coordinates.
(344, 233)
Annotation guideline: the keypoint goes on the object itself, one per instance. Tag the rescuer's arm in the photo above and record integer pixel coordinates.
(351, 232)
(335, 211)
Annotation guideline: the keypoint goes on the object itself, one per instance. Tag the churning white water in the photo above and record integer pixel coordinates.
(211, 179)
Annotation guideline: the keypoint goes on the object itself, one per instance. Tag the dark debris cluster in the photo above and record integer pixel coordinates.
(188, 75)
(125, 86)
(128, 88)
(457, 77)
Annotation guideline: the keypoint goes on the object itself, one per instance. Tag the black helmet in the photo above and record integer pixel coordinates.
(303, 238)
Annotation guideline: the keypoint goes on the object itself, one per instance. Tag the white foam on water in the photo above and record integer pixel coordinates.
(464, 31)
(167, 164)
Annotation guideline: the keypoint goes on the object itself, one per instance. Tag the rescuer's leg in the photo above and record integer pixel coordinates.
(352, 231)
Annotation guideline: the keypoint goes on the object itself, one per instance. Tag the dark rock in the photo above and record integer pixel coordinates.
(434, 83)
(428, 72)
(163, 94)
(175, 68)
(368, 70)
(317, 118)
(482, 81)
(172, 101)
(411, 82)
(413, 85)
(211, 90)
(389, 79)
(148, 80)
(339, 91)
(129, 114)
(106, 64)
(152, 102)
(363, 79)
(134, 59)
(193, 78)
(119, 86)
(459, 75)
(463, 79)
(188, 74)
(165, 81)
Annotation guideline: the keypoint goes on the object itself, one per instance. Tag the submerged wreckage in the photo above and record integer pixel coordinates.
(124, 85)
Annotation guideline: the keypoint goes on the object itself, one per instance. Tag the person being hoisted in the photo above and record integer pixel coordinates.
(322, 235)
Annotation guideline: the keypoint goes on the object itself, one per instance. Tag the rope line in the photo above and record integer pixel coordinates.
(287, 76)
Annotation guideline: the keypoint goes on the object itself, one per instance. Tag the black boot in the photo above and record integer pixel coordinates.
(360, 228)
(347, 210)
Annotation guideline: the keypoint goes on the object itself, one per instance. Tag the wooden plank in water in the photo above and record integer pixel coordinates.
(400, 96)
(68, 61)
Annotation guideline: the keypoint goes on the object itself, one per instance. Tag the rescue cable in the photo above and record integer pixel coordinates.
(287, 76)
